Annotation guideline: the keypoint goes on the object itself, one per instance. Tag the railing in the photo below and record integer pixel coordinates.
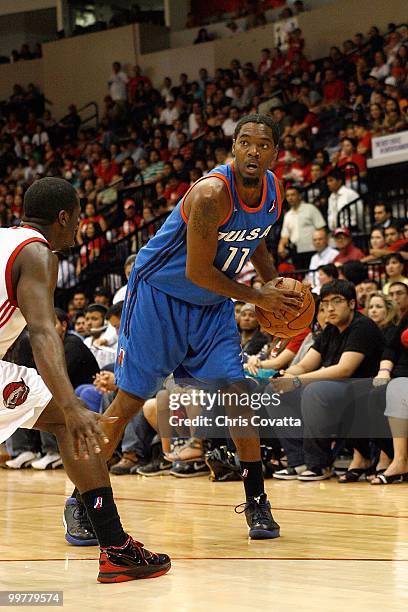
(107, 269)
(375, 271)
(94, 115)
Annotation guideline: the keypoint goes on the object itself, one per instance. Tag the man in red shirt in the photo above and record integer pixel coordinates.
(106, 170)
(345, 246)
(175, 189)
(333, 89)
(132, 220)
(364, 137)
(349, 156)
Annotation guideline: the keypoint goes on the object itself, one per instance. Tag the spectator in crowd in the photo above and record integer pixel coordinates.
(170, 113)
(93, 244)
(383, 215)
(99, 335)
(340, 197)
(90, 216)
(326, 274)
(325, 254)
(377, 244)
(118, 82)
(121, 293)
(394, 270)
(203, 36)
(398, 292)
(276, 357)
(393, 238)
(252, 339)
(344, 244)
(348, 156)
(79, 325)
(102, 295)
(350, 346)
(79, 301)
(333, 90)
(363, 290)
(299, 224)
(229, 125)
(394, 365)
(384, 313)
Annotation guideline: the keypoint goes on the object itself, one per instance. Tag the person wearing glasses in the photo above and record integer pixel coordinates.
(318, 391)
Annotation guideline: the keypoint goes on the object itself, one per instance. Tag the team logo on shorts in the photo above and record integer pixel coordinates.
(121, 357)
(15, 394)
(273, 206)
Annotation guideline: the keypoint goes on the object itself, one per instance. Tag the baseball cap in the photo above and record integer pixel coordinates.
(128, 204)
(391, 81)
(247, 306)
(342, 230)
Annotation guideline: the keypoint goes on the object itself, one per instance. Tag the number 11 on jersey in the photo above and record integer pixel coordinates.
(233, 252)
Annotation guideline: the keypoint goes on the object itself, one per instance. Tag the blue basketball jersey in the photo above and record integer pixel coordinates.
(162, 262)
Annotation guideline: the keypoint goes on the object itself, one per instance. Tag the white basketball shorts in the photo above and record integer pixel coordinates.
(23, 397)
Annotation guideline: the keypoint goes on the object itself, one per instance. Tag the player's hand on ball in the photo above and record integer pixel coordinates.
(85, 429)
(274, 299)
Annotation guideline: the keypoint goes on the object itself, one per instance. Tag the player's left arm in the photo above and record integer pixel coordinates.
(263, 262)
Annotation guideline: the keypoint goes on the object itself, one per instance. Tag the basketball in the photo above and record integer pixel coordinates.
(290, 325)
(404, 338)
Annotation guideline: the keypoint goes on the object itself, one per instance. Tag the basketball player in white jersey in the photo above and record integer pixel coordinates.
(46, 401)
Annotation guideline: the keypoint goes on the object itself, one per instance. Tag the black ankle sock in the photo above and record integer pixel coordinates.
(252, 475)
(76, 494)
(103, 514)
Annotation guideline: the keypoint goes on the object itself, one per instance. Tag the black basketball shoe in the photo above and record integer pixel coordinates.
(159, 464)
(259, 518)
(131, 562)
(223, 464)
(78, 528)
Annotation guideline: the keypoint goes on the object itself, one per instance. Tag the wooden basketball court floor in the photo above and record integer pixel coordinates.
(343, 547)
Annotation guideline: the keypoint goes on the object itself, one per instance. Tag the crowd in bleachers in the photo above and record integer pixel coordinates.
(153, 143)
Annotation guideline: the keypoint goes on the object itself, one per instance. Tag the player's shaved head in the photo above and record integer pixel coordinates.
(45, 198)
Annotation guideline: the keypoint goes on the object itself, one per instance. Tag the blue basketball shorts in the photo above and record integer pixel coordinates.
(160, 333)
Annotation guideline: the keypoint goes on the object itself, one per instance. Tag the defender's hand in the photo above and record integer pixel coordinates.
(85, 429)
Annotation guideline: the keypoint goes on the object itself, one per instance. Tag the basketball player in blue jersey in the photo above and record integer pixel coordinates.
(178, 310)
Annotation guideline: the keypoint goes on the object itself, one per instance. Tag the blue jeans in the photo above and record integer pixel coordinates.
(138, 436)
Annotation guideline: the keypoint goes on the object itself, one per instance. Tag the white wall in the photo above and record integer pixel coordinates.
(76, 70)
(175, 13)
(31, 27)
(22, 73)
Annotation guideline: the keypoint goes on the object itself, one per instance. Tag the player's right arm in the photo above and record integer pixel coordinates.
(34, 276)
(206, 206)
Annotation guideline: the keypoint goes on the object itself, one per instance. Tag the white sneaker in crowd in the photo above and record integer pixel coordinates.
(50, 461)
(23, 460)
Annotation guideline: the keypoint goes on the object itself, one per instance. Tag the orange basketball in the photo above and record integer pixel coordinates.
(290, 325)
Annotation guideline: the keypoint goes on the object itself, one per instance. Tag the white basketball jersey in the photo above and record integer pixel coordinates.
(12, 322)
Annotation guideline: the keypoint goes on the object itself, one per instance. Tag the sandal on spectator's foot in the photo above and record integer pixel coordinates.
(353, 475)
(188, 452)
(392, 479)
(372, 475)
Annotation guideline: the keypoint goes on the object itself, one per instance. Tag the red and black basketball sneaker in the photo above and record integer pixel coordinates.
(131, 562)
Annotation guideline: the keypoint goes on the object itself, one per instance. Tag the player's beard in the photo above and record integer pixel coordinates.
(249, 181)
